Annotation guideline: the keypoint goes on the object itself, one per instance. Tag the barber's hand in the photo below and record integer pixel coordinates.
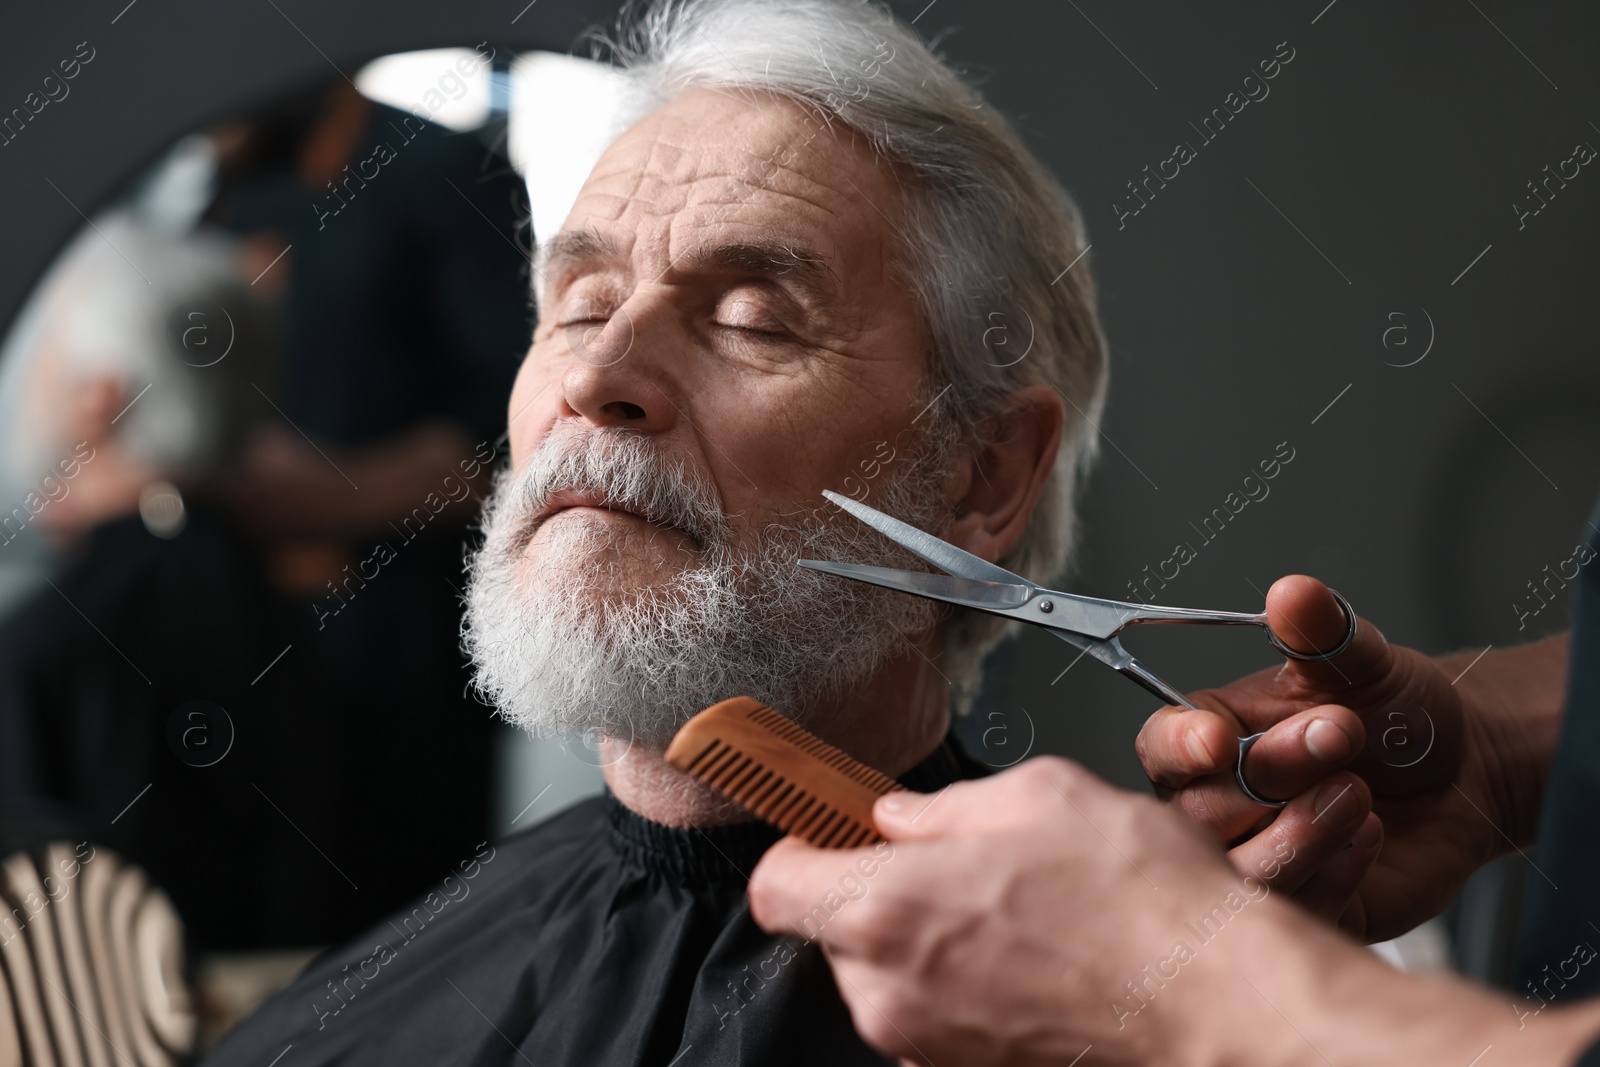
(1009, 919)
(283, 487)
(1378, 714)
(287, 487)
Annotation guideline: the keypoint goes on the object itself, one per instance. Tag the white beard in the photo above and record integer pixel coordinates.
(559, 658)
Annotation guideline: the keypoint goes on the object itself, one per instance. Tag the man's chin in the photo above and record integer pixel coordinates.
(597, 572)
(588, 547)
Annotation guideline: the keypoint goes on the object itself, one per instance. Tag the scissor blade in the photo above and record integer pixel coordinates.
(1104, 651)
(941, 554)
(997, 597)
(1113, 655)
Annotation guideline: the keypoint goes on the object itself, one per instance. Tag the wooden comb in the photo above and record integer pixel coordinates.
(780, 773)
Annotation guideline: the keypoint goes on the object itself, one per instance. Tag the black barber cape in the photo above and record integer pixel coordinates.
(596, 938)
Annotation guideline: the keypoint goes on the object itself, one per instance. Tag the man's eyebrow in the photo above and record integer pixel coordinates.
(573, 248)
(802, 267)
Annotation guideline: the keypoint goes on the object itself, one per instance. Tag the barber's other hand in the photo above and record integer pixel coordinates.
(1379, 717)
(1008, 913)
(1044, 917)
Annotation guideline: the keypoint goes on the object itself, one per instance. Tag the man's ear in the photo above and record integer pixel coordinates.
(997, 487)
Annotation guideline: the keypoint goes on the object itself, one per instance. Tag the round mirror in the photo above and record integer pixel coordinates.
(250, 411)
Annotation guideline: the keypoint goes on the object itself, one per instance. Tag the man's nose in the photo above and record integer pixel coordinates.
(616, 377)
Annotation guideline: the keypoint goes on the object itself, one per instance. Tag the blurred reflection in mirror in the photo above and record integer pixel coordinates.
(246, 418)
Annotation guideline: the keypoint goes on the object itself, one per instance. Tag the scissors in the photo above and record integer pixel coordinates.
(1088, 624)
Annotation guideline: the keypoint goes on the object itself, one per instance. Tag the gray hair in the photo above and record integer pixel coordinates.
(157, 312)
(988, 238)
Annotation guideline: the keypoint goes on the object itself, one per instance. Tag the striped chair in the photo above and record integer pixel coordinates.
(91, 964)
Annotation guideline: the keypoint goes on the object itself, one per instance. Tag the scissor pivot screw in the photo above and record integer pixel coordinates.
(1047, 606)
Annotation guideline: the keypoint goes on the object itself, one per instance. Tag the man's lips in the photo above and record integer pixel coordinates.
(567, 499)
(572, 499)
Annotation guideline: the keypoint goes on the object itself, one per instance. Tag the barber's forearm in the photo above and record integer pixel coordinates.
(1514, 699)
(1439, 1020)
(401, 474)
(1301, 993)
(430, 470)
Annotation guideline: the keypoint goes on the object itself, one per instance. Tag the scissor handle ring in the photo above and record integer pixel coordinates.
(1320, 657)
(1245, 744)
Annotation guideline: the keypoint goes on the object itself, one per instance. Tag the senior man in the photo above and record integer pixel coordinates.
(786, 277)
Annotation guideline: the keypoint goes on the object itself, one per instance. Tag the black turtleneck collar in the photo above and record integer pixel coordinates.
(715, 856)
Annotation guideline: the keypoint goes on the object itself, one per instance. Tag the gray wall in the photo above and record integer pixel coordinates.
(1248, 295)
(1391, 149)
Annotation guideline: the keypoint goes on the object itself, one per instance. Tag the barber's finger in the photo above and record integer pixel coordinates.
(906, 816)
(978, 806)
(1305, 616)
(1353, 920)
(1287, 760)
(1300, 751)
(1178, 745)
(791, 877)
(1307, 834)
(1330, 891)
(1034, 789)
(1215, 804)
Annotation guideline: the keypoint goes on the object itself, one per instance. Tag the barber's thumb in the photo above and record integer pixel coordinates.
(906, 816)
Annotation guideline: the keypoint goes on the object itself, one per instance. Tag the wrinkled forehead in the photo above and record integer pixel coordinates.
(731, 160)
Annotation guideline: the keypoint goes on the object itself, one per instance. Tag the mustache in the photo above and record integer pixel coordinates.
(629, 471)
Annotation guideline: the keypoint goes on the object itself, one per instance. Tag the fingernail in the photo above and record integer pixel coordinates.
(1336, 802)
(1369, 835)
(1197, 748)
(1327, 741)
(892, 802)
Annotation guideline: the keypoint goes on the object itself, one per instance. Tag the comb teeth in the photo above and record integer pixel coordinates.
(814, 746)
(780, 773)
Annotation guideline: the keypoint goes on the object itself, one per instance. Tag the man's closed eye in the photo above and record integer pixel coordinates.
(749, 317)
